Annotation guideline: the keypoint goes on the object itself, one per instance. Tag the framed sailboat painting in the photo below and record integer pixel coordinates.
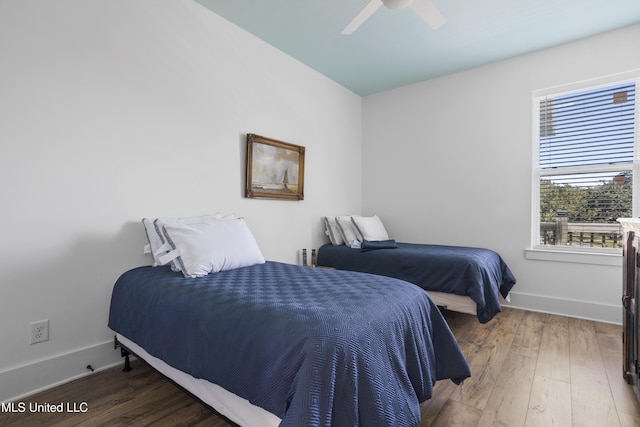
(275, 169)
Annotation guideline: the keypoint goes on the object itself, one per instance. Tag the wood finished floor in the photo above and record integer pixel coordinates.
(528, 369)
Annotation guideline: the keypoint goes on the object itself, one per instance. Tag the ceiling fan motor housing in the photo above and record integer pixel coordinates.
(396, 4)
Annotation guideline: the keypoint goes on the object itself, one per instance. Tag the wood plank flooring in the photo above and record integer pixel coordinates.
(528, 369)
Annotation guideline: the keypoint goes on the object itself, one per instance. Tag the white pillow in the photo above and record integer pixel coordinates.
(209, 247)
(157, 243)
(347, 229)
(333, 231)
(370, 228)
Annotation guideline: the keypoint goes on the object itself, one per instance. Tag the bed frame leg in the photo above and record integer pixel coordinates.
(124, 353)
(127, 363)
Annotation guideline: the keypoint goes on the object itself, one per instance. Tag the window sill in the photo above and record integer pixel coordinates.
(596, 258)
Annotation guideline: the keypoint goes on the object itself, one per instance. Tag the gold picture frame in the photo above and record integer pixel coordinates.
(275, 169)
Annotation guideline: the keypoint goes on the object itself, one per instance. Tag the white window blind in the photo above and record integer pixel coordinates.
(586, 143)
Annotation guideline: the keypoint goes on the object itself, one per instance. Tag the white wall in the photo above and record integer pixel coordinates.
(449, 161)
(114, 110)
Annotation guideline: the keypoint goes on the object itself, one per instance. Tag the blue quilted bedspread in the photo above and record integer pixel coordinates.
(474, 272)
(316, 347)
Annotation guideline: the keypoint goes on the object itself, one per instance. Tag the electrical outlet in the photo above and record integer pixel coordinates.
(39, 331)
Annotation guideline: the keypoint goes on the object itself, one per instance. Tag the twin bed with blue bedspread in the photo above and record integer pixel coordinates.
(477, 273)
(309, 346)
(470, 280)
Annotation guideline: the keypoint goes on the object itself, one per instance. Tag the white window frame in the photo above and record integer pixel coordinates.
(603, 256)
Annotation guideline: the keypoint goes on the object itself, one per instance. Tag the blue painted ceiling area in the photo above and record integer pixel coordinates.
(395, 47)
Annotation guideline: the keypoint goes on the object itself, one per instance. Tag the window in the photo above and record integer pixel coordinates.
(586, 166)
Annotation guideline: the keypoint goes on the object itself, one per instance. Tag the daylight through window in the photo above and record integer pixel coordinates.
(584, 177)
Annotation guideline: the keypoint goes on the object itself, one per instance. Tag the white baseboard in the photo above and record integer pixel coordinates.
(567, 307)
(17, 383)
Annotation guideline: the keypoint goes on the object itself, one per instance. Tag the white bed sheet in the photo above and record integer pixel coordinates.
(460, 303)
(237, 409)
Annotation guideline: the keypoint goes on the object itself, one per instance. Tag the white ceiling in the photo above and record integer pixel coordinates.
(395, 47)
